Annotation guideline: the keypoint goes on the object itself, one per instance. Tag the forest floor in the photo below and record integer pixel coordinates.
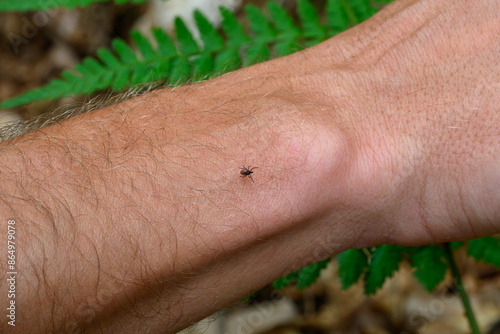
(35, 48)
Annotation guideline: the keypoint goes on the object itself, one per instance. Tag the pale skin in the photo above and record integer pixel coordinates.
(134, 218)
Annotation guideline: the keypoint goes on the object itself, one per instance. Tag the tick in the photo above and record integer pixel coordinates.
(247, 171)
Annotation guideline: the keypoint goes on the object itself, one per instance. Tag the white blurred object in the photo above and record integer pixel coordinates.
(163, 13)
(251, 319)
(9, 117)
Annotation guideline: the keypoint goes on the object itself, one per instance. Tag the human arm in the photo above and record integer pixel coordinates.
(126, 214)
(137, 211)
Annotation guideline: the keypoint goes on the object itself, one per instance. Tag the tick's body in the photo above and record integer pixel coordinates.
(247, 171)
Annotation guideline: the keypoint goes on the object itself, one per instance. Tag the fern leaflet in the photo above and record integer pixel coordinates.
(37, 5)
(485, 249)
(352, 264)
(430, 266)
(385, 261)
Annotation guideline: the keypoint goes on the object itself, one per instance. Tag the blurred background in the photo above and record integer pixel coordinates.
(36, 46)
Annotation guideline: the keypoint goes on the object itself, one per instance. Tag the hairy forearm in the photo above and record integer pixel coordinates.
(135, 216)
(125, 214)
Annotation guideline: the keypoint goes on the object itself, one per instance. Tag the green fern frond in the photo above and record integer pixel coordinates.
(384, 262)
(308, 275)
(36, 5)
(233, 29)
(285, 281)
(286, 29)
(111, 70)
(430, 265)
(263, 34)
(362, 9)
(485, 249)
(270, 35)
(311, 25)
(337, 12)
(303, 278)
(212, 40)
(353, 263)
